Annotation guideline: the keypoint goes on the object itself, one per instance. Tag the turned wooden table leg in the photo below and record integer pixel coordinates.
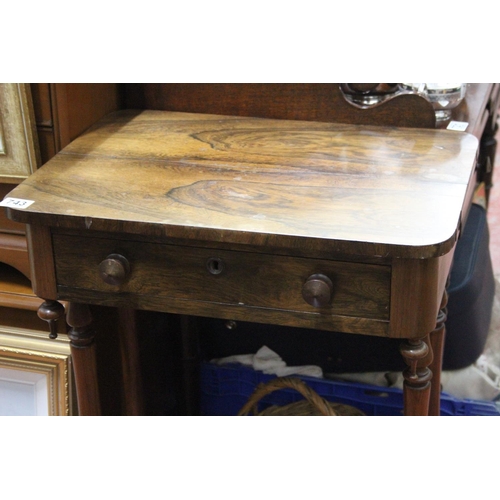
(129, 349)
(190, 366)
(424, 357)
(417, 384)
(83, 356)
(436, 338)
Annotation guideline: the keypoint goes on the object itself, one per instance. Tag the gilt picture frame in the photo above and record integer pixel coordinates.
(19, 150)
(35, 374)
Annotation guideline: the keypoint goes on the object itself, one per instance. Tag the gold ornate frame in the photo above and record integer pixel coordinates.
(32, 351)
(19, 151)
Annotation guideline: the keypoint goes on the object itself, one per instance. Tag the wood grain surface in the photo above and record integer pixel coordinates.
(288, 184)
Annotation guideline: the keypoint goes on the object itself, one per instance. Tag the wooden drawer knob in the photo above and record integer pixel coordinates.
(114, 269)
(318, 290)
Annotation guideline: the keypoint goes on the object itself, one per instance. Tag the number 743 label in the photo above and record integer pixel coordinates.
(16, 203)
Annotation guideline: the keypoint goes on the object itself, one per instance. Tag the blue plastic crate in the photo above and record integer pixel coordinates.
(225, 389)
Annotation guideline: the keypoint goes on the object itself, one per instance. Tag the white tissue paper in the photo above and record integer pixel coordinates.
(269, 362)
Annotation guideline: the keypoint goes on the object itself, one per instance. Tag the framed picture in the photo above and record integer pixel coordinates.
(19, 152)
(35, 374)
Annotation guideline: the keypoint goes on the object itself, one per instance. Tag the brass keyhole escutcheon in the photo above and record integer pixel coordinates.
(215, 265)
(318, 290)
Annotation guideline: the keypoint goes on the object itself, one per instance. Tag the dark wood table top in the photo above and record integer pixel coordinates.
(307, 186)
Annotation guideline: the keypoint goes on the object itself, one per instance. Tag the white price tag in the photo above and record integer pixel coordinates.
(458, 126)
(16, 203)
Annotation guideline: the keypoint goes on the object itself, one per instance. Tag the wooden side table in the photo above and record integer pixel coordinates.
(328, 226)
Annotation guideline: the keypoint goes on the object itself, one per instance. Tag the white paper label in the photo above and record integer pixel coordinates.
(16, 203)
(459, 126)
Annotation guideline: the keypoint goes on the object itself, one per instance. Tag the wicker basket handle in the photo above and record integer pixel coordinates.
(287, 383)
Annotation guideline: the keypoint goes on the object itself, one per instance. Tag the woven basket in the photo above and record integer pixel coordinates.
(312, 405)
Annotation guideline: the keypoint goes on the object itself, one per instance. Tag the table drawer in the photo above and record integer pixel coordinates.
(171, 273)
